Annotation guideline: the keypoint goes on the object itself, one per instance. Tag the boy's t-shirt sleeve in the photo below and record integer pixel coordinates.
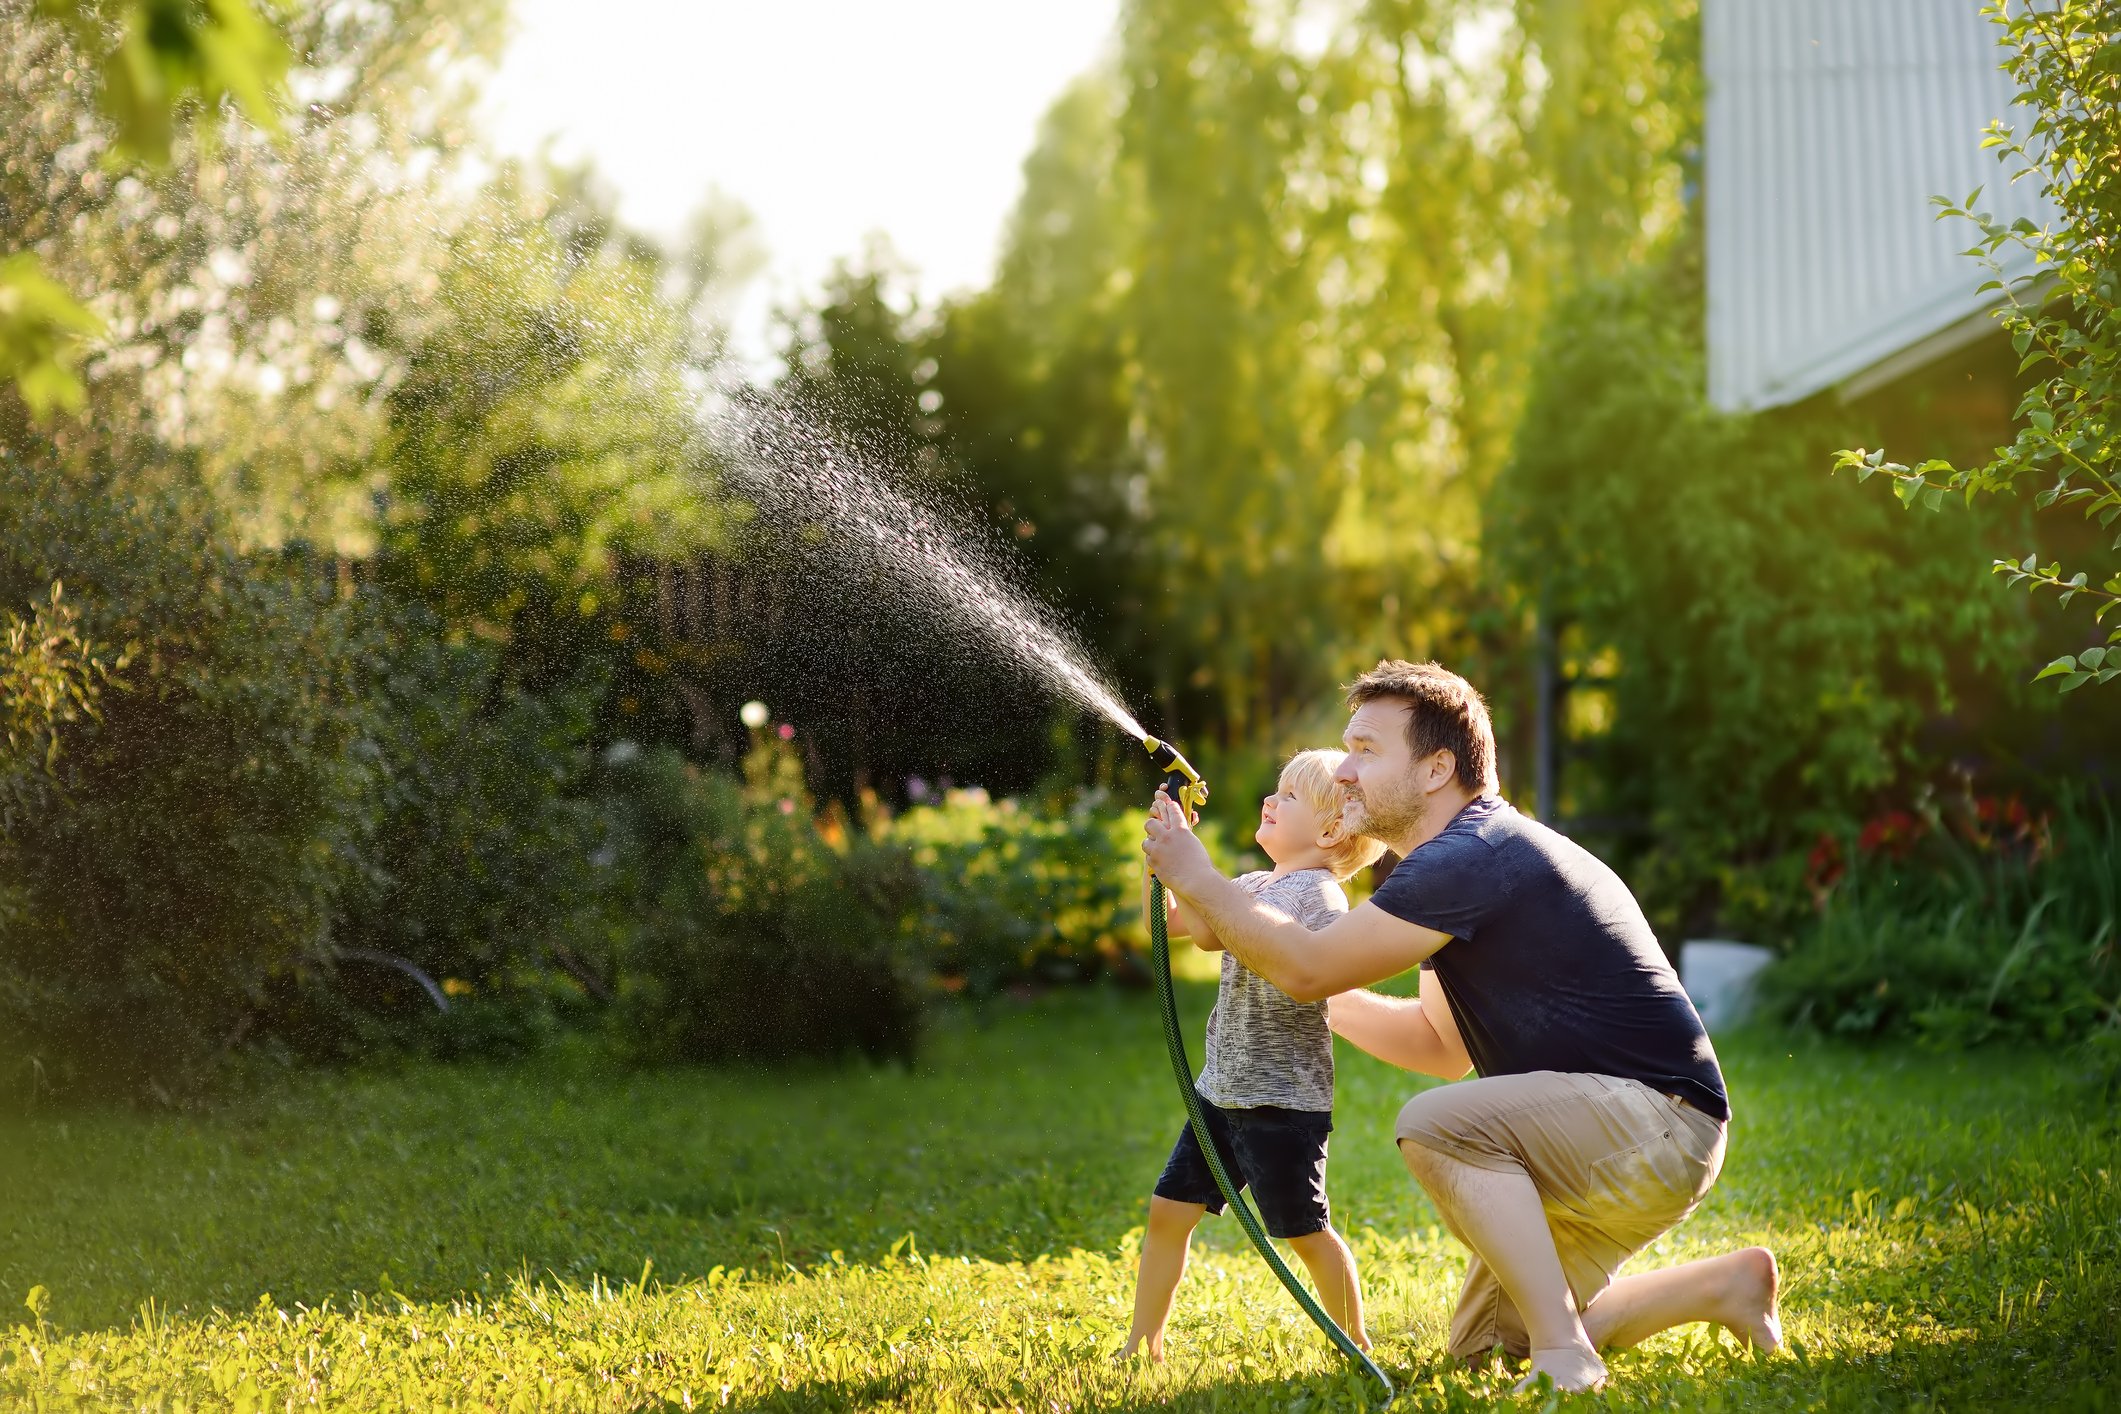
(1310, 896)
(1450, 884)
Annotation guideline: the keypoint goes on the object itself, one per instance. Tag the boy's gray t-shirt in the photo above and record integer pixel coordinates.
(1264, 1047)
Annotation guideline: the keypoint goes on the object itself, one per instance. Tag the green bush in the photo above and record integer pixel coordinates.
(1013, 895)
(749, 936)
(2063, 315)
(198, 834)
(476, 876)
(1974, 932)
(1758, 651)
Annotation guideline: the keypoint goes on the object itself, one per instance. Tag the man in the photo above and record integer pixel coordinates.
(1599, 1117)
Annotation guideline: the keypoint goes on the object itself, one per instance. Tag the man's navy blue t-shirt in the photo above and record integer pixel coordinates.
(1551, 965)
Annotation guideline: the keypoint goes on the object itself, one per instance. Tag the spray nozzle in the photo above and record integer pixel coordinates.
(1181, 782)
(1169, 761)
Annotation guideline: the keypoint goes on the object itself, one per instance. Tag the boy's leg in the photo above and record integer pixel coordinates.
(1165, 1245)
(1184, 1192)
(1332, 1268)
(1284, 1154)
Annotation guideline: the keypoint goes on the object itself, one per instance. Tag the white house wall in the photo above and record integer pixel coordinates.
(1830, 125)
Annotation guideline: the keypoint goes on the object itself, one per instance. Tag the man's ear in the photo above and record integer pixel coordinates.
(1442, 768)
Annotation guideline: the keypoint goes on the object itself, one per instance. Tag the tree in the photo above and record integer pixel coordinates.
(154, 62)
(2063, 318)
(541, 425)
(1258, 335)
(1757, 662)
(243, 284)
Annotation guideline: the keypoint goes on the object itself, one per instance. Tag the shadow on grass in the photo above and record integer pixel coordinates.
(1098, 1388)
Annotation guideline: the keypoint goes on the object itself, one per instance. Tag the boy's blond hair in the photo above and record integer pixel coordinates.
(1310, 775)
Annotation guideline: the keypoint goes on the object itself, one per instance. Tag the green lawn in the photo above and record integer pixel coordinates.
(962, 1237)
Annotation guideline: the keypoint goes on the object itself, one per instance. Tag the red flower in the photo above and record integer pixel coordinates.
(1824, 867)
(1895, 832)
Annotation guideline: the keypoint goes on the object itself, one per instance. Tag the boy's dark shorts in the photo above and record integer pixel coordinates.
(1280, 1154)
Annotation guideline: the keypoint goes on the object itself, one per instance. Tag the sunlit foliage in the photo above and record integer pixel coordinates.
(1759, 656)
(540, 420)
(236, 285)
(1259, 328)
(155, 61)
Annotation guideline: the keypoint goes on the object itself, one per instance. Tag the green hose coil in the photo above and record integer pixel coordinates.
(1182, 1070)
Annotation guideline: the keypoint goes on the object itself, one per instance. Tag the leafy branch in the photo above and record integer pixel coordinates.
(157, 62)
(51, 676)
(41, 325)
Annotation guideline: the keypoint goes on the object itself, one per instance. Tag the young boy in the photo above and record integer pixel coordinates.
(1267, 1084)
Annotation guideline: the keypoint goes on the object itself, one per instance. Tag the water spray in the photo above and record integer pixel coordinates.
(798, 473)
(1185, 787)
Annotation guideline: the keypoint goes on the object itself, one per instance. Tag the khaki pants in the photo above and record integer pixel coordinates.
(1616, 1163)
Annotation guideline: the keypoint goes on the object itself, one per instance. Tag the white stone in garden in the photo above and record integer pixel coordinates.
(1719, 976)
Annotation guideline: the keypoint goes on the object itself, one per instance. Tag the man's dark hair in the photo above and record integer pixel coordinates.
(1444, 713)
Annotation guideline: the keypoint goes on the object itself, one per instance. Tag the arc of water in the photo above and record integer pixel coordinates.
(794, 469)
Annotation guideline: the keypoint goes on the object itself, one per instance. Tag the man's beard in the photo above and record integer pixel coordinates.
(1388, 820)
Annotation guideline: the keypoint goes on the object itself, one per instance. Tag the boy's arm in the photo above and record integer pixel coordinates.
(1177, 922)
(1185, 925)
(1364, 946)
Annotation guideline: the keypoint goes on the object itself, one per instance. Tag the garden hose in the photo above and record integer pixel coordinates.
(1183, 784)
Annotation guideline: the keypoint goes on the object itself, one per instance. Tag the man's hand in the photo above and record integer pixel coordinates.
(1174, 852)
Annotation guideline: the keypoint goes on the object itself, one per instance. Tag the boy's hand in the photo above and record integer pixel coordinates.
(1175, 854)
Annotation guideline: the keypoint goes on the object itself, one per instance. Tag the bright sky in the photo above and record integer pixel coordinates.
(828, 119)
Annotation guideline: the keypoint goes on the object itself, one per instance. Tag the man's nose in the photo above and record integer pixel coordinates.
(1344, 774)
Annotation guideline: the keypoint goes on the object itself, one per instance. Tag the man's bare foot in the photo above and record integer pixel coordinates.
(1570, 1367)
(1747, 1306)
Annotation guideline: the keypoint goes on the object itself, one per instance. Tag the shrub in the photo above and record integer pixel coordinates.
(750, 936)
(1758, 656)
(1017, 894)
(199, 832)
(1012, 895)
(51, 679)
(1958, 934)
(476, 878)
(2063, 314)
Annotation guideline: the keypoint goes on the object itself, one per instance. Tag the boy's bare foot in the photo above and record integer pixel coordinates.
(1570, 1367)
(1150, 1346)
(1747, 1306)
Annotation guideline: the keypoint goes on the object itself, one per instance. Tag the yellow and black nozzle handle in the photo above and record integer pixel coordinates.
(1184, 785)
(1181, 782)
